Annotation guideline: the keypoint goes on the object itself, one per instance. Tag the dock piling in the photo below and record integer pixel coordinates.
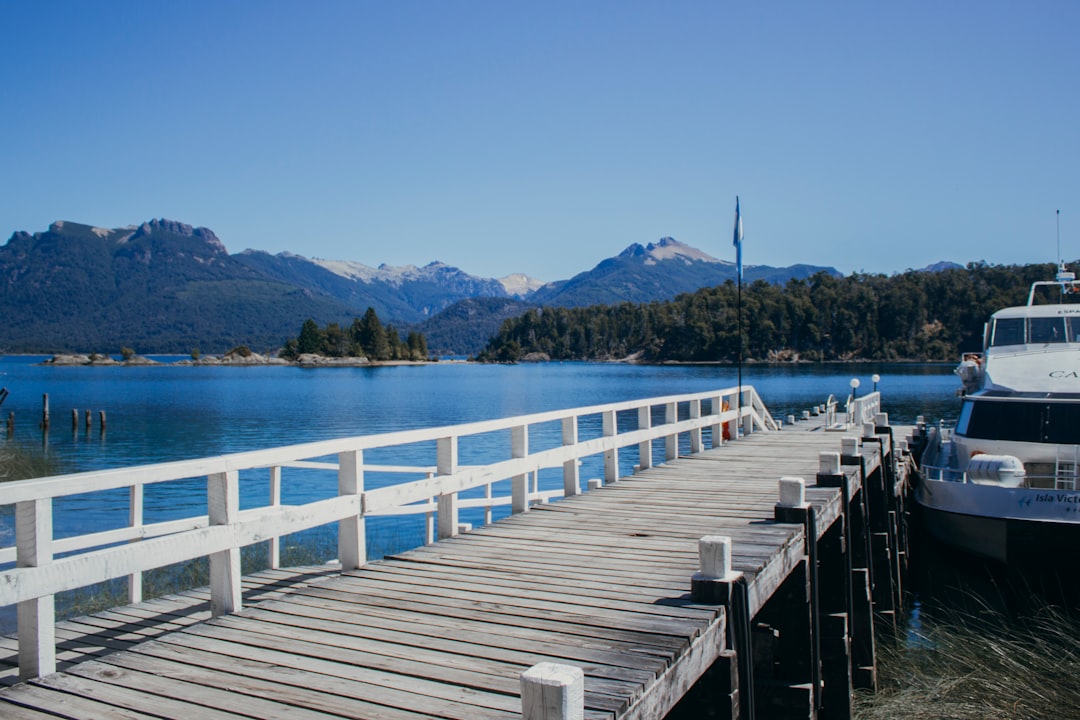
(552, 691)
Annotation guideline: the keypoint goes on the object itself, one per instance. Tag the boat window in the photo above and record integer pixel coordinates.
(1017, 421)
(1008, 331)
(1063, 425)
(1021, 421)
(1073, 325)
(1047, 330)
(964, 419)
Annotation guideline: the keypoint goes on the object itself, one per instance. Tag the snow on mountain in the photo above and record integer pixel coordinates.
(668, 248)
(394, 276)
(519, 285)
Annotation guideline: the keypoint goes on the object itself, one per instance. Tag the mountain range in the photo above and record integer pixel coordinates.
(165, 286)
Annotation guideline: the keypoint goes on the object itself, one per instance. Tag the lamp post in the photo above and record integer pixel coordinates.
(875, 377)
(854, 387)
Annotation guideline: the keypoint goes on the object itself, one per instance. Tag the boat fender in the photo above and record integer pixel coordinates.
(1000, 470)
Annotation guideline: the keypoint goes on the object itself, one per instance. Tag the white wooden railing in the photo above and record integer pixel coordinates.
(863, 409)
(126, 552)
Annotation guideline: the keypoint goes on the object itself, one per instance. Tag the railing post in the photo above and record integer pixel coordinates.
(747, 409)
(135, 519)
(716, 406)
(695, 434)
(611, 457)
(519, 484)
(671, 442)
(570, 473)
(446, 464)
(644, 422)
(223, 504)
(37, 617)
(352, 535)
(275, 501)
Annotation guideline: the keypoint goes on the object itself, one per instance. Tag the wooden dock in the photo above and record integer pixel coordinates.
(600, 594)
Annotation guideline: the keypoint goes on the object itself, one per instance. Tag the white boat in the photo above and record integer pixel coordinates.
(1003, 484)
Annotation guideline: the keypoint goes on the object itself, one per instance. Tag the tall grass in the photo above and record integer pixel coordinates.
(18, 462)
(980, 665)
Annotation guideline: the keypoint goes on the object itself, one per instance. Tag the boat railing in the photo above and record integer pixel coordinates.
(430, 471)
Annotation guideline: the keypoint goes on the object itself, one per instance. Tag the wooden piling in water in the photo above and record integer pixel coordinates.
(11, 423)
(45, 411)
(101, 420)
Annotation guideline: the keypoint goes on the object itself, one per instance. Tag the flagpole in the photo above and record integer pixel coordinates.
(738, 269)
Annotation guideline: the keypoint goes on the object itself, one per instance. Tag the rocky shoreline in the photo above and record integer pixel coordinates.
(228, 359)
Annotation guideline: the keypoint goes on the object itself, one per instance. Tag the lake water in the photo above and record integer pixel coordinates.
(162, 413)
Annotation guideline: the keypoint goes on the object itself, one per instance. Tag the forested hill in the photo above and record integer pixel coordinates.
(915, 315)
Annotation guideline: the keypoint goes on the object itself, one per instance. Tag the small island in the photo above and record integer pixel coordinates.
(365, 342)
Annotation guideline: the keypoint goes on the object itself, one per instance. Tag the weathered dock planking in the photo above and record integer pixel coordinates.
(85, 638)
(593, 593)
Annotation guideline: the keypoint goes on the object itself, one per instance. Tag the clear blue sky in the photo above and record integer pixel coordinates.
(543, 137)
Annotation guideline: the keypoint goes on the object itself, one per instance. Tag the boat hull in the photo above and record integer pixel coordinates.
(1016, 526)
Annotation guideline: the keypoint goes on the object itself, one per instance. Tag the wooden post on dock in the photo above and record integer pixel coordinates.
(834, 575)
(551, 691)
(717, 584)
(798, 654)
(861, 621)
(45, 412)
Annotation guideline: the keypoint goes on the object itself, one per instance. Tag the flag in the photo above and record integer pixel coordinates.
(738, 239)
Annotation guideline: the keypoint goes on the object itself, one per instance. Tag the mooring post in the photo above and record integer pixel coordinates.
(834, 574)
(802, 652)
(45, 412)
(717, 584)
(101, 421)
(88, 420)
(884, 586)
(11, 423)
(552, 691)
(74, 420)
(861, 621)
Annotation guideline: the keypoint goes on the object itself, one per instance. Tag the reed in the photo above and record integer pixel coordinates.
(18, 462)
(980, 664)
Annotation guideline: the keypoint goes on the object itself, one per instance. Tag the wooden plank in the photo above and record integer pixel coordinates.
(585, 625)
(132, 699)
(56, 702)
(250, 691)
(491, 675)
(339, 678)
(461, 651)
(611, 653)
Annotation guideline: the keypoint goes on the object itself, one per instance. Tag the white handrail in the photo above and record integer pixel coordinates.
(130, 550)
(863, 409)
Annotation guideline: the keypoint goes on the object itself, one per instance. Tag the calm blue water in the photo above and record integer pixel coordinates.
(157, 414)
